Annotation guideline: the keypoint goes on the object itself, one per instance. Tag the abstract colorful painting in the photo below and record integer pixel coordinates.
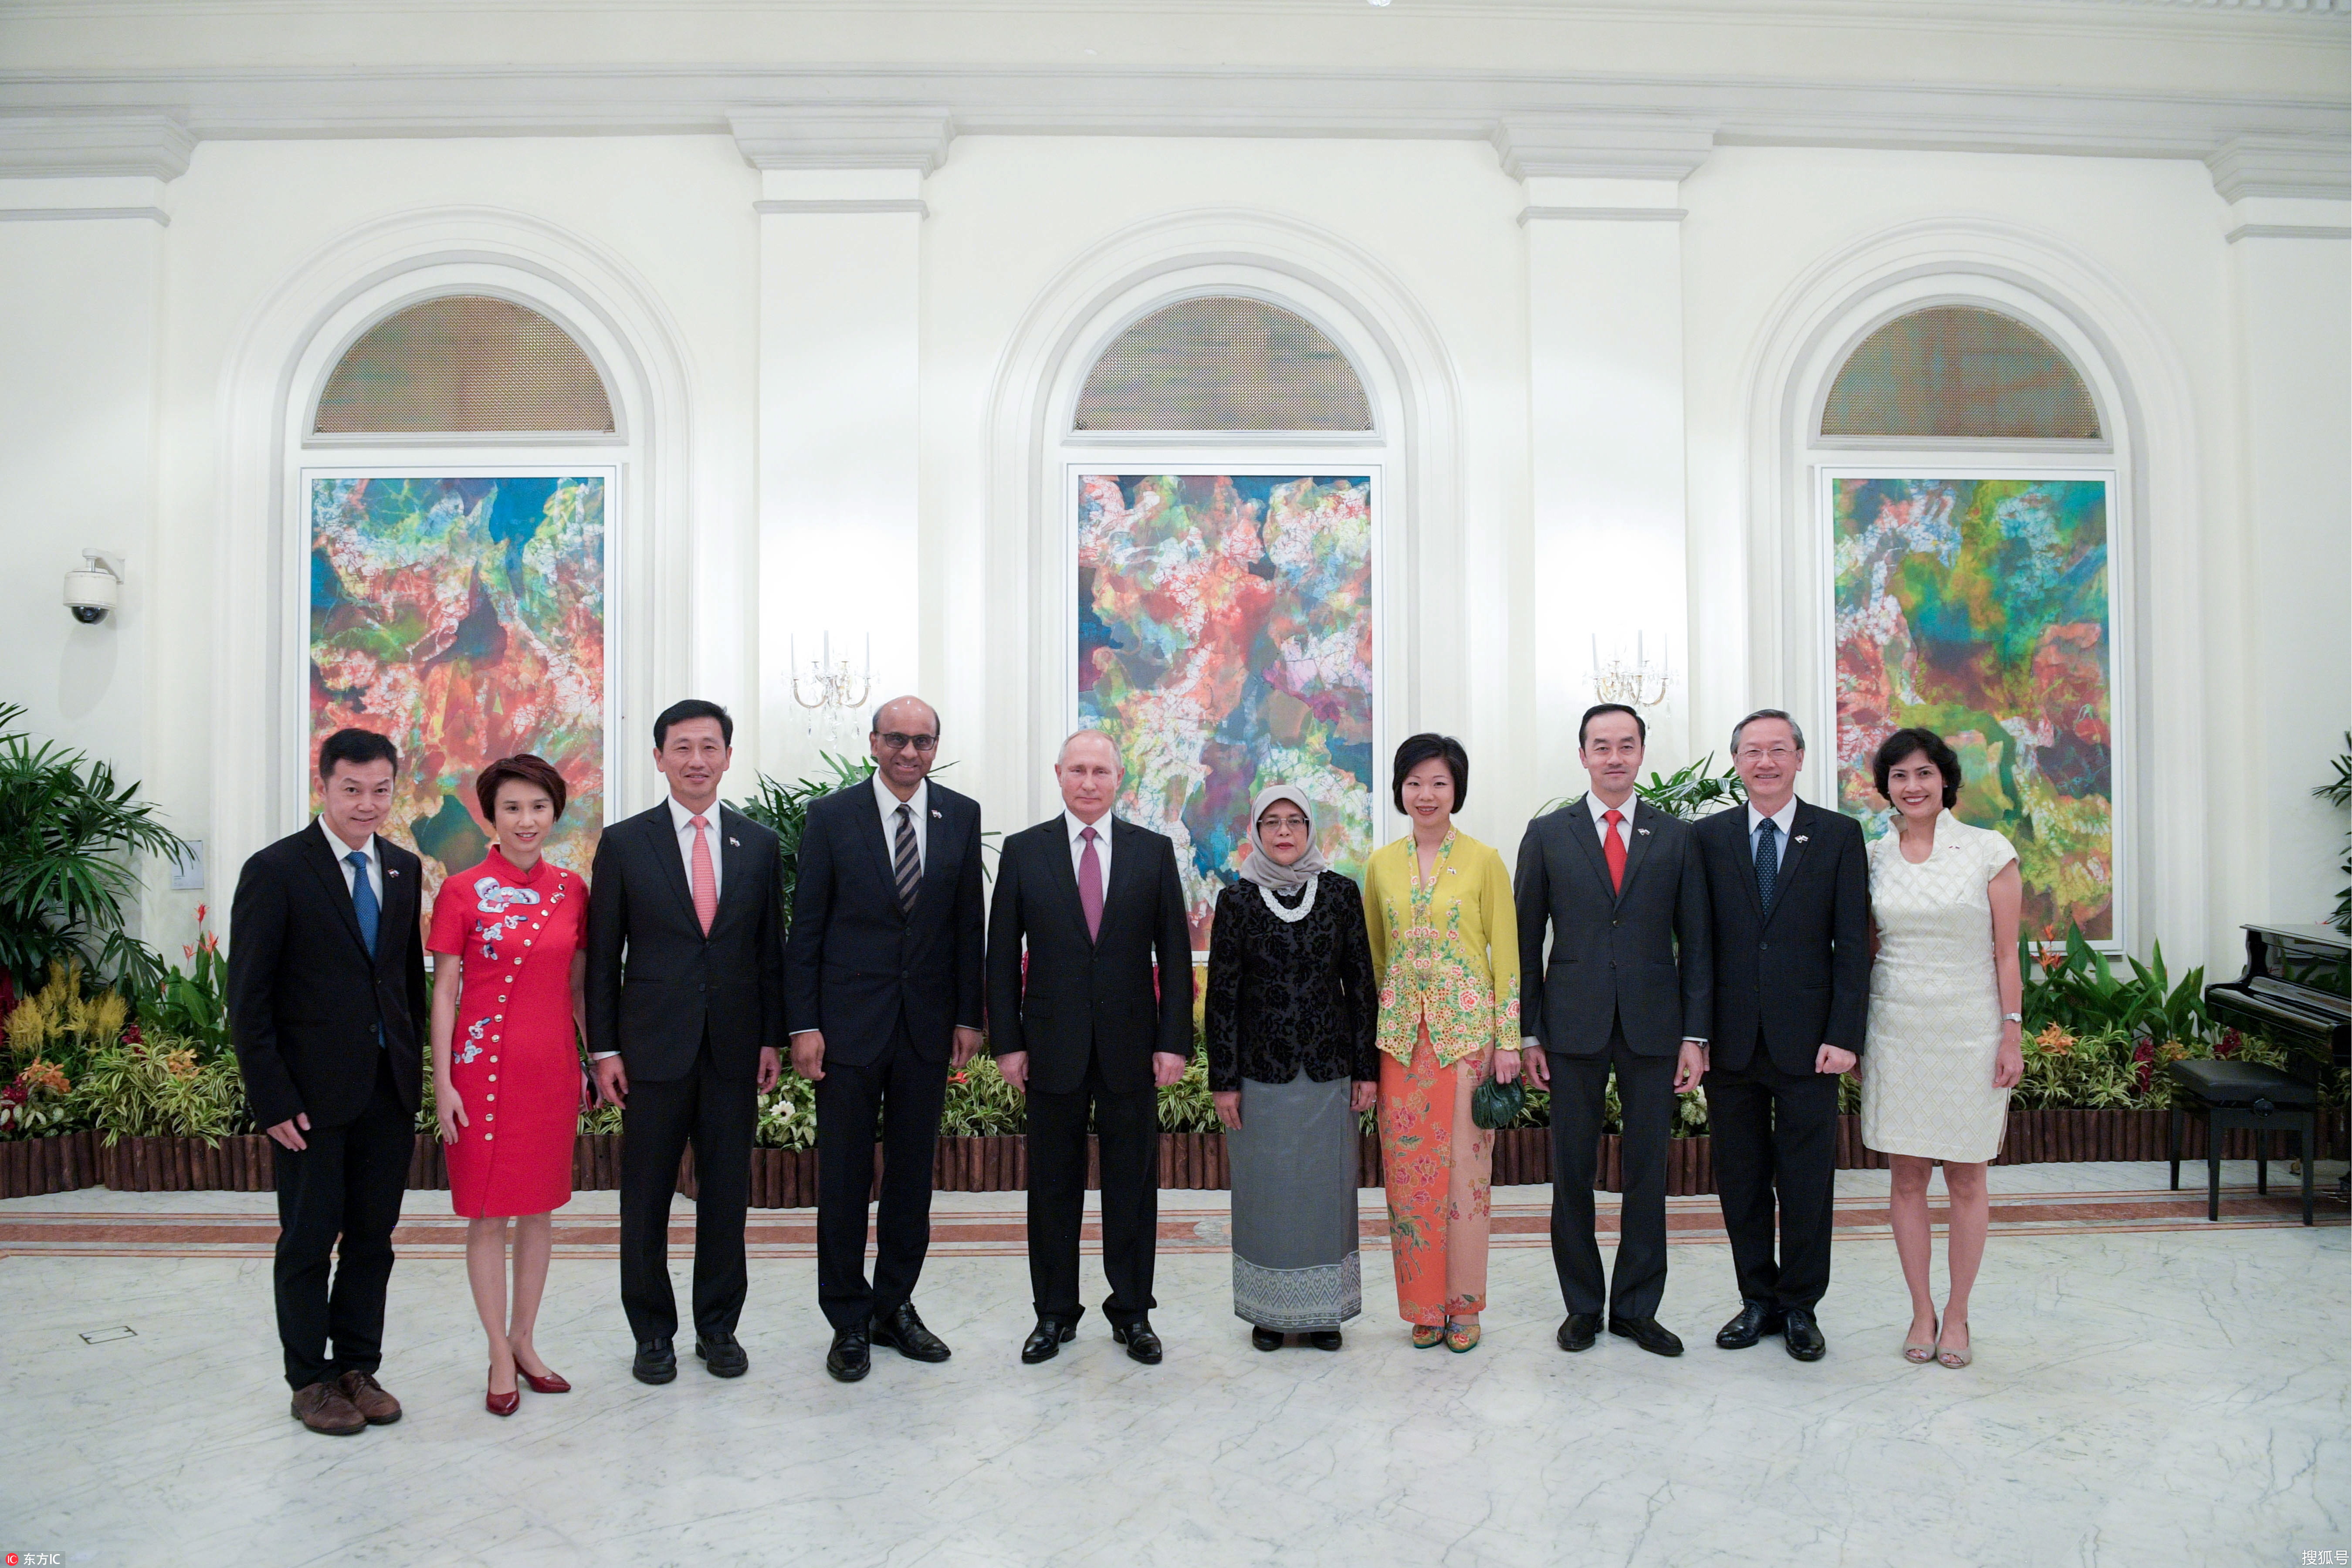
(1978, 608)
(464, 618)
(1225, 642)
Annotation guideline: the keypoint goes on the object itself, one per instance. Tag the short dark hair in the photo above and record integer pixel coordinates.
(692, 708)
(1902, 745)
(1641, 725)
(355, 746)
(1419, 748)
(523, 768)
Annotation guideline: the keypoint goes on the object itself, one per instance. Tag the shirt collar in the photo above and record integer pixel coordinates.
(1072, 825)
(1785, 818)
(1592, 798)
(340, 849)
(921, 800)
(681, 820)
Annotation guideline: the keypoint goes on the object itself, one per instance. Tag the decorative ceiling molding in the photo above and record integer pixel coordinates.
(888, 118)
(64, 144)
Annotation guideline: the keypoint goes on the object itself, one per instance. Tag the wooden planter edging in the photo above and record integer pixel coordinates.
(786, 1178)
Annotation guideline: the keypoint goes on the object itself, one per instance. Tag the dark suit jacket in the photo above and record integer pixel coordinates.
(1801, 973)
(655, 981)
(1084, 999)
(305, 999)
(855, 962)
(1639, 956)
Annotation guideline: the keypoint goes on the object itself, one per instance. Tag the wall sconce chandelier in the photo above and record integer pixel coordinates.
(830, 690)
(1638, 684)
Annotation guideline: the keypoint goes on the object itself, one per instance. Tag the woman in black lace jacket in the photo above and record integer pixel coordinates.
(1290, 1015)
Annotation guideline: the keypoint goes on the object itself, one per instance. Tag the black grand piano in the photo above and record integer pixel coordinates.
(2297, 990)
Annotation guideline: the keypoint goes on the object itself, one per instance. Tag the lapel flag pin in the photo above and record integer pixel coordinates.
(1643, 831)
(1803, 839)
(935, 817)
(392, 870)
(733, 842)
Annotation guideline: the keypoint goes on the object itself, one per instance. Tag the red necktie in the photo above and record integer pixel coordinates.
(706, 879)
(1613, 849)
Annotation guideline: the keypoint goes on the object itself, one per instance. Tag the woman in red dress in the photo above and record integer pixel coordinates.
(506, 1079)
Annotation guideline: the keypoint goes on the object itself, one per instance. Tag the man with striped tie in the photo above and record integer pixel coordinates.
(882, 995)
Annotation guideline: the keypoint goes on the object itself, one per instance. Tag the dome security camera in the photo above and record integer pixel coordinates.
(95, 590)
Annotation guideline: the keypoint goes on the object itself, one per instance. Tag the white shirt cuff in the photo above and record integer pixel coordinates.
(600, 1056)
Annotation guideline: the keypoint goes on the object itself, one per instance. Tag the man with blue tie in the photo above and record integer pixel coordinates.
(1791, 896)
(327, 1011)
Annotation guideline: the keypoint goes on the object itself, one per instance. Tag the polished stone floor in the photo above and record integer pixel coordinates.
(2148, 1389)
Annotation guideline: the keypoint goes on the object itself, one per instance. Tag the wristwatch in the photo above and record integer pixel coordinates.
(2012, 1017)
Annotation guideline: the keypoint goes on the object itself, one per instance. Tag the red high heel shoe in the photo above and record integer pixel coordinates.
(551, 1384)
(499, 1403)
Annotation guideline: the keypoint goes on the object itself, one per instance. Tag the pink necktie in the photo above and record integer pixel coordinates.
(1090, 884)
(706, 879)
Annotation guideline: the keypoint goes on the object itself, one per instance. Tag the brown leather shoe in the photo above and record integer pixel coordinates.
(367, 1395)
(320, 1407)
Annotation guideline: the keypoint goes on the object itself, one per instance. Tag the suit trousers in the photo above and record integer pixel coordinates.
(716, 1112)
(1128, 1127)
(345, 1185)
(909, 1093)
(1776, 1134)
(1645, 1089)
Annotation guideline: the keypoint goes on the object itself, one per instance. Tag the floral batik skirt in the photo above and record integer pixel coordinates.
(1440, 1165)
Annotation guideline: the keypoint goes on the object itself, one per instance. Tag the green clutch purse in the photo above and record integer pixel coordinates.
(1494, 1105)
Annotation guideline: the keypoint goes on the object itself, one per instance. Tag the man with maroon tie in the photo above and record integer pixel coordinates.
(1092, 1030)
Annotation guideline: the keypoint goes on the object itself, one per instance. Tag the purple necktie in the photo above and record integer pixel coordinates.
(1090, 884)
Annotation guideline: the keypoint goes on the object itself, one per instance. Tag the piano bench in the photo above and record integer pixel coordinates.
(2243, 1094)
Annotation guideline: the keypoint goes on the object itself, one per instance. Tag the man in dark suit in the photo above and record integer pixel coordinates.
(1618, 884)
(685, 1023)
(1790, 890)
(326, 1004)
(882, 992)
(1098, 903)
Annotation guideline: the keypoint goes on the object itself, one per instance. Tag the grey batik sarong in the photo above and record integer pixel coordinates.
(1295, 1265)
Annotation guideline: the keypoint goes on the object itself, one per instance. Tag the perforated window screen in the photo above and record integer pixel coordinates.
(1222, 364)
(465, 363)
(1959, 370)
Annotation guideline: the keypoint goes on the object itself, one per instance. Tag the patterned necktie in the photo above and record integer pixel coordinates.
(1090, 887)
(1768, 860)
(907, 866)
(363, 902)
(1613, 849)
(706, 876)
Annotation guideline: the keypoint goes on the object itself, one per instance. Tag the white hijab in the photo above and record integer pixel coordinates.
(1264, 869)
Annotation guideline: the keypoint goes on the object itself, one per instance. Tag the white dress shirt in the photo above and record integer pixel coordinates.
(683, 820)
(920, 804)
(1781, 819)
(374, 854)
(1624, 824)
(1079, 845)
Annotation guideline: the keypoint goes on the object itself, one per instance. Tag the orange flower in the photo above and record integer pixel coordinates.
(2054, 1040)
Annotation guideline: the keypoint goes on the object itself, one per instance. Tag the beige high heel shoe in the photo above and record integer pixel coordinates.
(1921, 1356)
(1952, 1358)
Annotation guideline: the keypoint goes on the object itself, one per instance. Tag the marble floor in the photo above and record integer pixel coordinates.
(2148, 1389)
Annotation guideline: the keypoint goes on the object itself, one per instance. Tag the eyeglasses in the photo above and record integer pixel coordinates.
(1282, 824)
(895, 742)
(1758, 753)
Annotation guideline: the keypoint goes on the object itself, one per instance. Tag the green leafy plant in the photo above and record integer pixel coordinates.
(1693, 790)
(782, 809)
(160, 1087)
(2077, 988)
(2337, 792)
(981, 1104)
(63, 1021)
(192, 1004)
(70, 832)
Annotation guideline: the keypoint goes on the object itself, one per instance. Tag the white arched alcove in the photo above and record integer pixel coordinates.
(283, 352)
(2146, 450)
(1025, 624)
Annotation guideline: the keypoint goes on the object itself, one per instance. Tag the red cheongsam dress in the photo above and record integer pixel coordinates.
(514, 1059)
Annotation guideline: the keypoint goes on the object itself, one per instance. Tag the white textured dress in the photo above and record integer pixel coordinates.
(1935, 1000)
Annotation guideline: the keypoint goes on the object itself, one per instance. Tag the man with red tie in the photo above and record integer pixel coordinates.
(686, 1025)
(1628, 988)
(1090, 1029)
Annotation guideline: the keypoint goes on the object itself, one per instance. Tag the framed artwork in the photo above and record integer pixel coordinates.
(1224, 640)
(464, 617)
(1979, 607)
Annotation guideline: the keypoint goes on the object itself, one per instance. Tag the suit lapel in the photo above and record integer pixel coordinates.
(1744, 852)
(1637, 845)
(400, 896)
(941, 842)
(1800, 829)
(321, 855)
(1125, 866)
(734, 867)
(661, 836)
(1587, 837)
(1064, 874)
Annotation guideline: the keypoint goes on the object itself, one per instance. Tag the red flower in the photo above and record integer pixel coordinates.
(2231, 1041)
(131, 1034)
(2144, 1054)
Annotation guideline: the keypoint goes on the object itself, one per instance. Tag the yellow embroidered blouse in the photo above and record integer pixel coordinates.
(1447, 954)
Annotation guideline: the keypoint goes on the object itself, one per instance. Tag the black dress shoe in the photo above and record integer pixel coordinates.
(656, 1362)
(1804, 1335)
(721, 1355)
(1046, 1340)
(1647, 1333)
(903, 1331)
(1756, 1320)
(1324, 1339)
(1141, 1343)
(1577, 1330)
(849, 1359)
(1266, 1339)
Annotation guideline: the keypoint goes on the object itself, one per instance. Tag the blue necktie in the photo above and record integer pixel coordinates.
(1768, 860)
(363, 900)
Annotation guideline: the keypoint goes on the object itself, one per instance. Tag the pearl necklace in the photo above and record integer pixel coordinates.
(1290, 916)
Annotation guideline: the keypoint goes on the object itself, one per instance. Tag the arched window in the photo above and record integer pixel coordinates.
(1223, 362)
(1958, 372)
(464, 365)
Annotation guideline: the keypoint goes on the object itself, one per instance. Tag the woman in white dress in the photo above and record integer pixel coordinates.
(1944, 1031)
